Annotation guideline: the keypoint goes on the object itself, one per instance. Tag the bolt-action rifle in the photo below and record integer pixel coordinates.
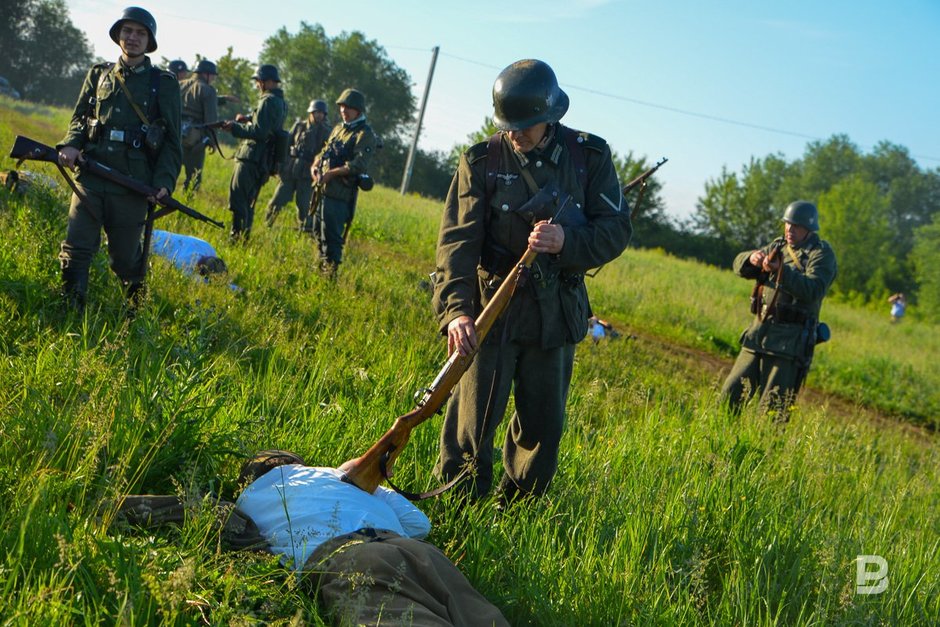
(26, 149)
(642, 181)
(369, 470)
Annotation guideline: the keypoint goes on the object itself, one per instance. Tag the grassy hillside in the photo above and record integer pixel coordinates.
(666, 510)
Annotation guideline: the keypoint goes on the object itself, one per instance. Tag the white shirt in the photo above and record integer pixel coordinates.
(183, 251)
(297, 508)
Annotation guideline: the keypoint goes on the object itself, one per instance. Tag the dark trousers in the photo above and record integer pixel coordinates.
(247, 180)
(335, 216)
(380, 578)
(122, 216)
(773, 378)
(539, 379)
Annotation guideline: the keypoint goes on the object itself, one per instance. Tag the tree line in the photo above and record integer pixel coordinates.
(878, 209)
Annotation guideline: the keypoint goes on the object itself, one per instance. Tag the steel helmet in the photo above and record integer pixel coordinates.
(141, 16)
(267, 72)
(317, 105)
(802, 213)
(178, 66)
(205, 66)
(352, 98)
(525, 94)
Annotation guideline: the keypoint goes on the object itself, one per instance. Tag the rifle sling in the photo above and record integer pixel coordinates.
(210, 131)
(421, 496)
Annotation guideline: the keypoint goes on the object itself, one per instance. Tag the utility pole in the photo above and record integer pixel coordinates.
(410, 164)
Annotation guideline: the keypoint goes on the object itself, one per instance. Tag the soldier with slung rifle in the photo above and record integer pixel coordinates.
(127, 118)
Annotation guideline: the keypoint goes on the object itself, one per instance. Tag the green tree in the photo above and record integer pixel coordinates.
(235, 80)
(34, 38)
(313, 65)
(745, 211)
(927, 268)
(854, 221)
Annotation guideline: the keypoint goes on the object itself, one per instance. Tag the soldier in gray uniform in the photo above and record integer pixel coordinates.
(338, 170)
(483, 234)
(776, 350)
(128, 118)
(257, 132)
(307, 140)
(200, 106)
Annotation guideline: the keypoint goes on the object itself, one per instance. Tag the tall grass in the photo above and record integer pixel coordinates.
(666, 510)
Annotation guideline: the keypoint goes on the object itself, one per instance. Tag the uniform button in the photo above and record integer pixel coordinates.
(117, 109)
(538, 164)
(505, 207)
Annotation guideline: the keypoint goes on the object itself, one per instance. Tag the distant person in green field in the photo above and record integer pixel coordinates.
(898, 306)
(339, 170)
(119, 123)
(483, 234)
(307, 140)
(796, 272)
(200, 106)
(252, 159)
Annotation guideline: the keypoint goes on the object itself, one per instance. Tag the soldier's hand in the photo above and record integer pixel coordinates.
(461, 336)
(69, 156)
(757, 258)
(160, 195)
(547, 238)
(227, 125)
(771, 264)
(241, 117)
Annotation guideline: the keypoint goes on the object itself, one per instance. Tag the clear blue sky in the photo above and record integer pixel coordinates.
(707, 84)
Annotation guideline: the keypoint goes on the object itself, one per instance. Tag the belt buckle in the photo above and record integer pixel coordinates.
(116, 136)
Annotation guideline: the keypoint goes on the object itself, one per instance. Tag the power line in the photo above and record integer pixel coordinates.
(703, 116)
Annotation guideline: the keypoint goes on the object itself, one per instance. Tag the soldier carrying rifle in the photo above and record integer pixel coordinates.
(307, 140)
(338, 173)
(777, 348)
(486, 226)
(127, 118)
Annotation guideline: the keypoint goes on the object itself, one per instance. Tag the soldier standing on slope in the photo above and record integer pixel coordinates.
(128, 118)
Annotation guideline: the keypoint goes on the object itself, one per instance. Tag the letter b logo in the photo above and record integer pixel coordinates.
(863, 575)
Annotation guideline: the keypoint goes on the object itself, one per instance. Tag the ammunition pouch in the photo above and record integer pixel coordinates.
(154, 136)
(790, 315)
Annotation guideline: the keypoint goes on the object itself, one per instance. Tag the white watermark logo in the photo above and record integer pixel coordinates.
(864, 576)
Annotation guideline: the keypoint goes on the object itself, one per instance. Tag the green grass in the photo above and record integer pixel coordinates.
(666, 510)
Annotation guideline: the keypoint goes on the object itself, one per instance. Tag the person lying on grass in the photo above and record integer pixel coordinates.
(360, 555)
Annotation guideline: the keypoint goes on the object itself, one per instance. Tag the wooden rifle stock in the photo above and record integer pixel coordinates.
(366, 471)
(26, 149)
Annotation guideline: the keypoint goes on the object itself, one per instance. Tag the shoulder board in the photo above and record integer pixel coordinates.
(476, 152)
(164, 73)
(589, 140)
(104, 65)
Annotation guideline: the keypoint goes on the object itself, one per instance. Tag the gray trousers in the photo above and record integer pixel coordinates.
(122, 216)
(773, 378)
(539, 380)
(299, 189)
(336, 214)
(193, 161)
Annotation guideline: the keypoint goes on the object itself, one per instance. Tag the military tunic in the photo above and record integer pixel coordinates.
(307, 140)
(352, 144)
(118, 143)
(250, 158)
(200, 106)
(530, 349)
(776, 352)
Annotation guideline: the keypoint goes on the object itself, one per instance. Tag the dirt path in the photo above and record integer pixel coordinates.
(695, 359)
